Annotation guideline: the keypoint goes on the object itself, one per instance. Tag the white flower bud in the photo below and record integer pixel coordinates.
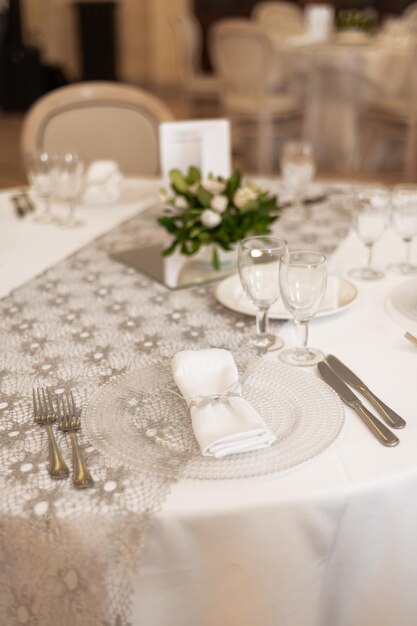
(181, 203)
(243, 196)
(213, 186)
(210, 218)
(219, 203)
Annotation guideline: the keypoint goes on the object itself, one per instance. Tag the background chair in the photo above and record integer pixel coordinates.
(100, 120)
(245, 62)
(279, 18)
(201, 90)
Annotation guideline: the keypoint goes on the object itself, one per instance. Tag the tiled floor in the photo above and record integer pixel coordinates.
(11, 164)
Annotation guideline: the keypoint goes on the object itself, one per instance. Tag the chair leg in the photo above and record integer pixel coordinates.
(411, 153)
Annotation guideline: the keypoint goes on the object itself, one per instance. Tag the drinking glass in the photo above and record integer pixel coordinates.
(42, 172)
(302, 280)
(70, 182)
(370, 207)
(404, 220)
(258, 263)
(297, 168)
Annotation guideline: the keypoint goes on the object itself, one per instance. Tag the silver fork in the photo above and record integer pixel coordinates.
(69, 421)
(44, 415)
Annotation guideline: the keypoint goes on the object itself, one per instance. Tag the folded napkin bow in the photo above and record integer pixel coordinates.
(103, 183)
(223, 422)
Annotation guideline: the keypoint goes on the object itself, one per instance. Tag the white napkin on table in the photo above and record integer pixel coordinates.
(221, 426)
(102, 183)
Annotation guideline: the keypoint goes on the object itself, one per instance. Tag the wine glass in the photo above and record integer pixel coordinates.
(404, 220)
(42, 172)
(258, 263)
(298, 168)
(70, 182)
(302, 280)
(370, 207)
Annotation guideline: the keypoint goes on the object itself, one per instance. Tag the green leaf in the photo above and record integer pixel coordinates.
(204, 196)
(215, 261)
(170, 249)
(233, 184)
(178, 181)
(194, 175)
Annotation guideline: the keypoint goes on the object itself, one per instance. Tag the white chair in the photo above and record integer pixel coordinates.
(201, 90)
(244, 60)
(283, 19)
(101, 120)
(390, 122)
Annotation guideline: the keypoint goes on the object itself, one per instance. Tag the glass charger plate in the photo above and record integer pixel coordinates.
(340, 294)
(137, 420)
(403, 299)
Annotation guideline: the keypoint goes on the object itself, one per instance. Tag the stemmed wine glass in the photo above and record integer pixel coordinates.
(370, 207)
(298, 168)
(404, 220)
(42, 173)
(258, 263)
(70, 182)
(302, 280)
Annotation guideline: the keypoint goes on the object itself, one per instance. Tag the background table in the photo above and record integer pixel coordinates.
(337, 81)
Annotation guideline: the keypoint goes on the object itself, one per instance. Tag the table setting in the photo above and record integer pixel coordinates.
(160, 457)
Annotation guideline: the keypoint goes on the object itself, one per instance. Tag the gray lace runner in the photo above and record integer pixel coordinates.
(67, 556)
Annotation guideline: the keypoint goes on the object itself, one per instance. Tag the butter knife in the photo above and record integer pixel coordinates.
(378, 429)
(387, 414)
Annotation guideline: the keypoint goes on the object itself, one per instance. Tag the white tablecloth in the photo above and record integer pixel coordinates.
(332, 542)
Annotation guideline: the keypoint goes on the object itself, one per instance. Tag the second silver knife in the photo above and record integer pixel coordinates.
(390, 416)
(378, 429)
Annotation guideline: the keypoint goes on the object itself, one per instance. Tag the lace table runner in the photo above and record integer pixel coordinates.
(67, 556)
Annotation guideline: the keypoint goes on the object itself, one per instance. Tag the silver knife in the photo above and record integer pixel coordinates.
(378, 429)
(387, 414)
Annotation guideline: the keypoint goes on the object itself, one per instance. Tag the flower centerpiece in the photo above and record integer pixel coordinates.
(215, 212)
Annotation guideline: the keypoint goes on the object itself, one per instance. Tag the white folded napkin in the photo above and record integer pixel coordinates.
(102, 183)
(224, 425)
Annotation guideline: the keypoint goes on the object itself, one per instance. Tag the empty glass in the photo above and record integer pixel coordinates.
(258, 263)
(297, 168)
(404, 220)
(370, 207)
(42, 171)
(302, 279)
(70, 182)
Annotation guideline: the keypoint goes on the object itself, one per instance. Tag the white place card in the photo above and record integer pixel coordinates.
(202, 143)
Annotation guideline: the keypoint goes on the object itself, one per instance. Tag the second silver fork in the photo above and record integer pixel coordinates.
(69, 421)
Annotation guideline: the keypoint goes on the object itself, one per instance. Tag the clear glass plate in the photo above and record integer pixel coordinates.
(137, 420)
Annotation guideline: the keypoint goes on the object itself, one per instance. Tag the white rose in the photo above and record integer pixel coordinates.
(194, 188)
(181, 203)
(243, 196)
(213, 186)
(219, 203)
(210, 218)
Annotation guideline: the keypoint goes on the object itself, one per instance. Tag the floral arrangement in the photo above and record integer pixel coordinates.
(355, 19)
(215, 212)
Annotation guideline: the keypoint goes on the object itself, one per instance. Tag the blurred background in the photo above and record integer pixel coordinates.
(46, 44)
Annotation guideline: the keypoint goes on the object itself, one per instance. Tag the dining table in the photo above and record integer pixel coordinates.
(318, 530)
(337, 79)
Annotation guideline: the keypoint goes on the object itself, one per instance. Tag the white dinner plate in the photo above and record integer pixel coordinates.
(340, 294)
(402, 303)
